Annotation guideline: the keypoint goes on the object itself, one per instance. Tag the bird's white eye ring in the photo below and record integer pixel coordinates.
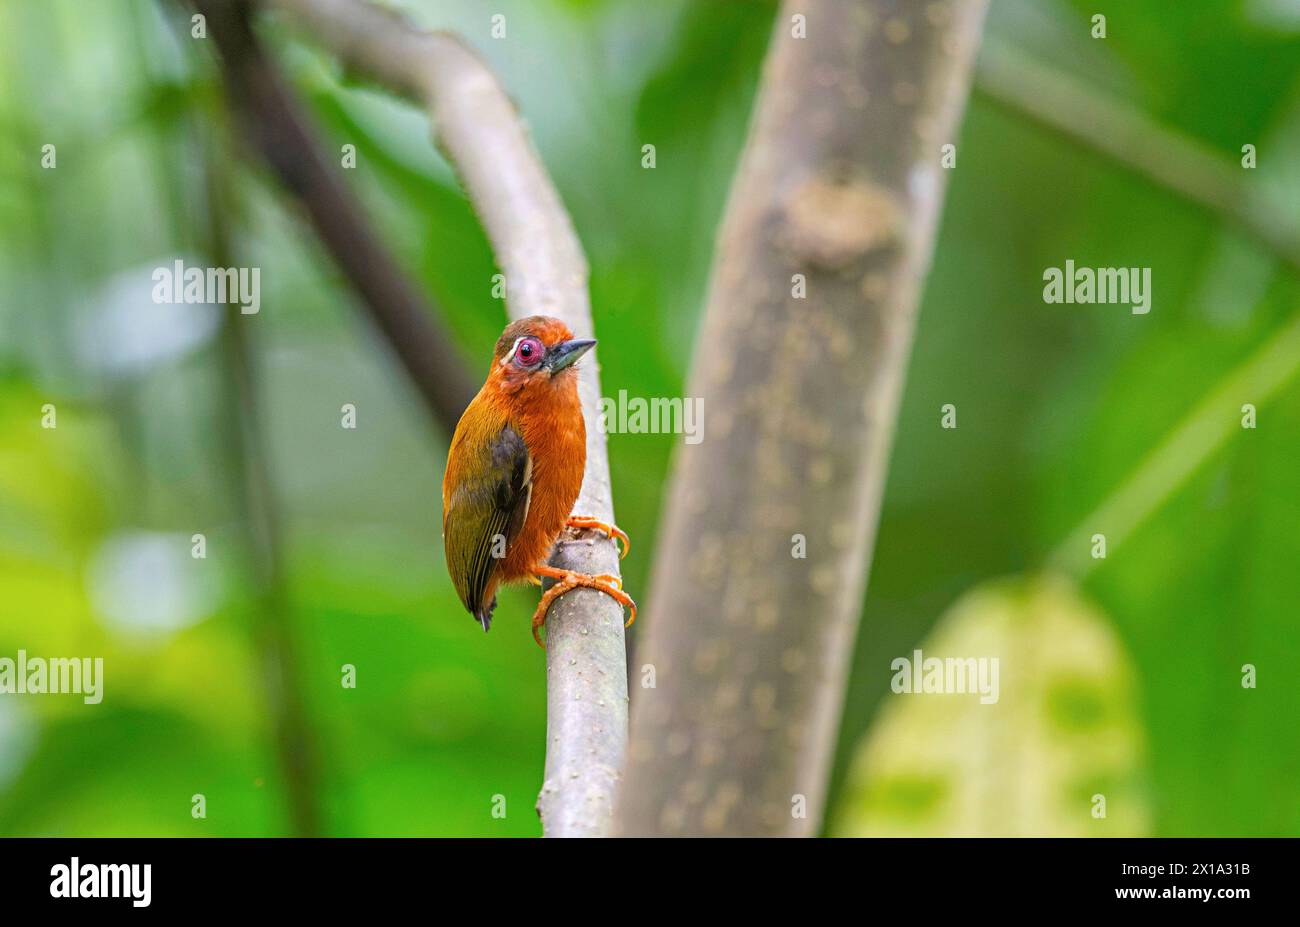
(527, 352)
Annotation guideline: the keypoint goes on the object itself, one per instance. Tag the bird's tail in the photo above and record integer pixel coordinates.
(484, 614)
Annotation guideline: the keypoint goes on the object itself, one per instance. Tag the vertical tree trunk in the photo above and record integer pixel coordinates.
(838, 193)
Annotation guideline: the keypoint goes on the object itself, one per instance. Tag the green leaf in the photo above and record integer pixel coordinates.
(1062, 734)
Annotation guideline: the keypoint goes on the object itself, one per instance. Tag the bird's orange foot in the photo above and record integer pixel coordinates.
(565, 580)
(613, 531)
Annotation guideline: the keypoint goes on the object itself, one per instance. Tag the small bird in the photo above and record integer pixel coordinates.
(514, 471)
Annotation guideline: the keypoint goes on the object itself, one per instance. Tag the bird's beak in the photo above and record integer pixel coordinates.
(566, 352)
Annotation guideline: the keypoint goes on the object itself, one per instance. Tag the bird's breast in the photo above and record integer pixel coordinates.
(559, 455)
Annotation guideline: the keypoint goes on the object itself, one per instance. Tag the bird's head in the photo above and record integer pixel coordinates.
(535, 354)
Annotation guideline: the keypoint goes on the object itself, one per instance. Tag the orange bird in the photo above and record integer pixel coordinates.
(514, 471)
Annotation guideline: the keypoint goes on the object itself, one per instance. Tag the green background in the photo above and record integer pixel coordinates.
(1058, 405)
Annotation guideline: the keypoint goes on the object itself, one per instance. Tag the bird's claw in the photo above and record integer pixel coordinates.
(565, 580)
(582, 522)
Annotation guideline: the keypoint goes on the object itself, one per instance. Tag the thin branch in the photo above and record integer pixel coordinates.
(770, 521)
(275, 121)
(1123, 133)
(546, 273)
(1201, 176)
(1169, 465)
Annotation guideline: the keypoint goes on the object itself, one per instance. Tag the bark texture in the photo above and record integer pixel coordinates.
(838, 191)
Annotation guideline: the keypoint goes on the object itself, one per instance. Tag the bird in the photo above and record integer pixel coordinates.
(514, 470)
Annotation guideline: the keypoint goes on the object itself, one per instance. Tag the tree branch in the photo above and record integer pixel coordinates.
(1199, 435)
(840, 183)
(546, 273)
(275, 121)
(1122, 133)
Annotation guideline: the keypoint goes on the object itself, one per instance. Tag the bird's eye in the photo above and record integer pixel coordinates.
(529, 353)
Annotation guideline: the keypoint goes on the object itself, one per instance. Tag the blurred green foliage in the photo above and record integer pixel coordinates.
(1045, 741)
(1057, 406)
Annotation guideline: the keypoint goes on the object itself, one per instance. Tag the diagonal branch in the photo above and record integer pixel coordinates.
(546, 273)
(275, 122)
(1127, 136)
(1184, 449)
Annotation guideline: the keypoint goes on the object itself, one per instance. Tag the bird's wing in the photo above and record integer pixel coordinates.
(485, 511)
